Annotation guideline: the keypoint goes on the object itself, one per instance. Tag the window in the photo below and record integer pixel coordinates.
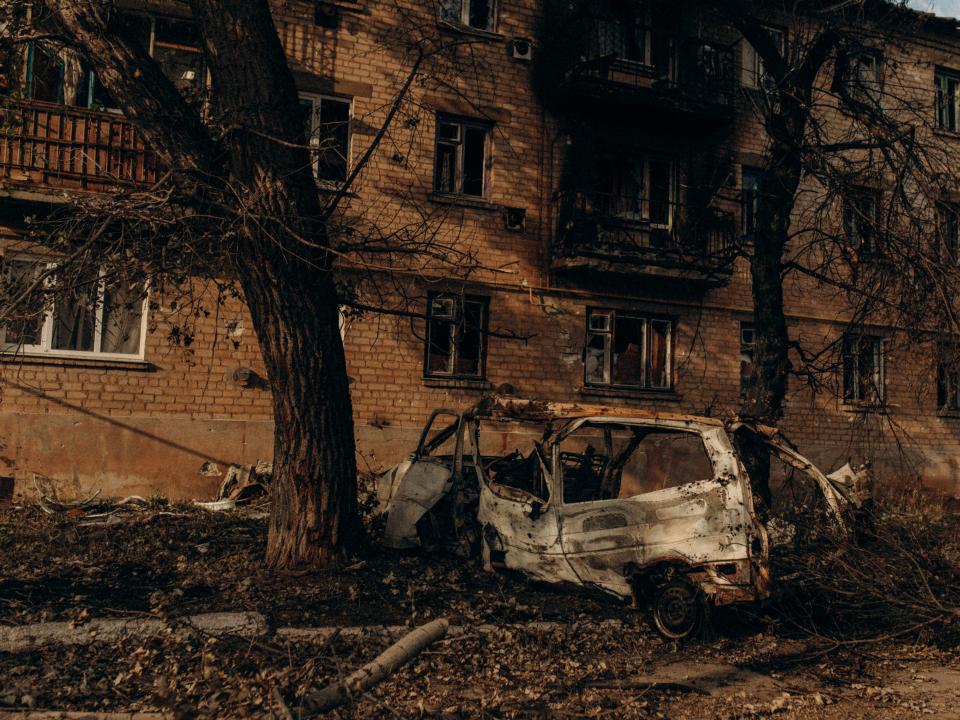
(752, 72)
(97, 315)
(751, 194)
(948, 379)
(859, 73)
(607, 461)
(462, 156)
(456, 336)
(948, 230)
(644, 190)
(947, 83)
(860, 221)
(863, 379)
(628, 350)
(63, 79)
(174, 44)
(328, 131)
(748, 343)
(478, 14)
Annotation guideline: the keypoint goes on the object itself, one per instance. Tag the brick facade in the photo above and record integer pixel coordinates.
(151, 425)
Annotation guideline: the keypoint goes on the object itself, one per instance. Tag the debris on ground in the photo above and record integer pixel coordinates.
(241, 485)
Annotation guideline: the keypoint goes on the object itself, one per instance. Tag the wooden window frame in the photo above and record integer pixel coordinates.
(456, 320)
(608, 355)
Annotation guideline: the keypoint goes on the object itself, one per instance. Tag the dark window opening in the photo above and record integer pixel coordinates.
(948, 379)
(478, 14)
(948, 231)
(328, 131)
(456, 336)
(861, 221)
(860, 75)
(461, 157)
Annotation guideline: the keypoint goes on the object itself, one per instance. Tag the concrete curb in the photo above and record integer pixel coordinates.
(23, 638)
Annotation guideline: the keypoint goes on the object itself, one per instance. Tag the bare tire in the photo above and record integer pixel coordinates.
(677, 609)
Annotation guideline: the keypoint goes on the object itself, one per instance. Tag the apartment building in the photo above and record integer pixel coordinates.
(595, 195)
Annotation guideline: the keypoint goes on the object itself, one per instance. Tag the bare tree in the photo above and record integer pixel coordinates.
(853, 179)
(235, 208)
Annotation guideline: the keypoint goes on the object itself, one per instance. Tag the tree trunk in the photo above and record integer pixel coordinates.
(771, 363)
(295, 314)
(252, 177)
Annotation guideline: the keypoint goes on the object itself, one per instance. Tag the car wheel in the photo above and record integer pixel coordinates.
(677, 609)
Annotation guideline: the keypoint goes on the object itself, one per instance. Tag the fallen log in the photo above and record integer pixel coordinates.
(380, 668)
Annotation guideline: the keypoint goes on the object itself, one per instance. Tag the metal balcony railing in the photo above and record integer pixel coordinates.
(612, 227)
(45, 145)
(692, 71)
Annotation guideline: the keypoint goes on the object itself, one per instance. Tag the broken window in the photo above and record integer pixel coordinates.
(461, 157)
(176, 48)
(627, 350)
(328, 133)
(605, 461)
(174, 44)
(747, 346)
(456, 336)
(753, 74)
(478, 14)
(861, 221)
(751, 189)
(644, 190)
(521, 468)
(863, 379)
(947, 83)
(91, 313)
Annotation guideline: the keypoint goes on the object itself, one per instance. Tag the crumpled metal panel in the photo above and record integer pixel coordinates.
(413, 488)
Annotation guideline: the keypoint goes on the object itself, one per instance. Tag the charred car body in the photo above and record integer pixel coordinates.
(656, 508)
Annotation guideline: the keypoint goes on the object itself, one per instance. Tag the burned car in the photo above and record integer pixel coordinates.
(655, 508)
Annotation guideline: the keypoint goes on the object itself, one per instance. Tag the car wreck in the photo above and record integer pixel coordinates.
(654, 508)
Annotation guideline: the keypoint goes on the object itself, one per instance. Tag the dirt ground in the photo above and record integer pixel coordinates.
(598, 661)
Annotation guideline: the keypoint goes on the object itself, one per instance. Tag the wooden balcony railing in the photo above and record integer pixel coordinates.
(49, 146)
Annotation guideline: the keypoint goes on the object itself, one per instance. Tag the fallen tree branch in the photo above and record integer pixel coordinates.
(381, 667)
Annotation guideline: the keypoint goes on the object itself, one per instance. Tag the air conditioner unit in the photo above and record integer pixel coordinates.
(521, 49)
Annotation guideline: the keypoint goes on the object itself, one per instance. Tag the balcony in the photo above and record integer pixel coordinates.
(598, 234)
(45, 147)
(682, 79)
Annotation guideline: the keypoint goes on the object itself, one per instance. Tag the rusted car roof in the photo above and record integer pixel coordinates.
(509, 407)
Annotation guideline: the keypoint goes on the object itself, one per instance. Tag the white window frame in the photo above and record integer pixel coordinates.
(316, 100)
(46, 349)
(464, 18)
